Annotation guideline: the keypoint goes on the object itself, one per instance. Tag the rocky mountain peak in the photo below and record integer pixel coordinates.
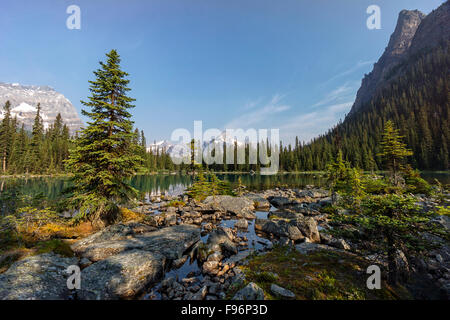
(407, 24)
(399, 44)
(24, 100)
(433, 29)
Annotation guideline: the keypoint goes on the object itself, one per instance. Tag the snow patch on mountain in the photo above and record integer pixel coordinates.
(24, 100)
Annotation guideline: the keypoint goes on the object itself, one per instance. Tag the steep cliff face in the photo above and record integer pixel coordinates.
(24, 100)
(433, 29)
(399, 43)
(414, 32)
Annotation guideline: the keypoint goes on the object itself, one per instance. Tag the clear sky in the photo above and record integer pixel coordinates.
(289, 64)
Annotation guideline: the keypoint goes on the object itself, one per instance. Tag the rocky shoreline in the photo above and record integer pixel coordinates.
(195, 250)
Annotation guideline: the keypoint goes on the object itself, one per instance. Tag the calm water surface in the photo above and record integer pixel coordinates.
(52, 188)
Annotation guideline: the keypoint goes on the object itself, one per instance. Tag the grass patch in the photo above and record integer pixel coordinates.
(56, 245)
(320, 275)
(128, 215)
(8, 258)
(176, 203)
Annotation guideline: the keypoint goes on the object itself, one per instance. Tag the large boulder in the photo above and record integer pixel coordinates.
(250, 292)
(121, 276)
(288, 224)
(238, 206)
(308, 227)
(280, 202)
(301, 209)
(170, 242)
(280, 228)
(312, 193)
(41, 277)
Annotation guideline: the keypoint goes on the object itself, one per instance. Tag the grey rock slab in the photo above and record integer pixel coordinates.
(170, 242)
(121, 276)
(41, 277)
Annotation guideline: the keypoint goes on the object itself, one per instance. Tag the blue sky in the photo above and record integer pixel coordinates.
(289, 64)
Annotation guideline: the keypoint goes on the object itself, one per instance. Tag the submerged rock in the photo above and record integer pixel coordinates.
(241, 224)
(221, 239)
(41, 277)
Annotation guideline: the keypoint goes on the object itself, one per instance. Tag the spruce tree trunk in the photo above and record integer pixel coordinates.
(392, 266)
(4, 162)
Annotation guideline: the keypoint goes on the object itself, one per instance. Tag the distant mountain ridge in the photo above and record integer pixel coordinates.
(24, 100)
(167, 146)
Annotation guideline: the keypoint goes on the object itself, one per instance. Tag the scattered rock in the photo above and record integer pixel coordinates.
(308, 247)
(211, 267)
(250, 292)
(282, 292)
(241, 224)
(201, 294)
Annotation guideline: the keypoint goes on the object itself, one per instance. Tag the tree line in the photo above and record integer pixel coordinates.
(41, 151)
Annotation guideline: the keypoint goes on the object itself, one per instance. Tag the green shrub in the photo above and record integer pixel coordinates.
(415, 183)
(176, 203)
(207, 184)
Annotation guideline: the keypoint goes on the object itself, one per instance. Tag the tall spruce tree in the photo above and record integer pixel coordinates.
(37, 137)
(5, 135)
(105, 155)
(393, 151)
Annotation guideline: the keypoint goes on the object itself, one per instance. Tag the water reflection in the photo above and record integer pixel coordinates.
(51, 189)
